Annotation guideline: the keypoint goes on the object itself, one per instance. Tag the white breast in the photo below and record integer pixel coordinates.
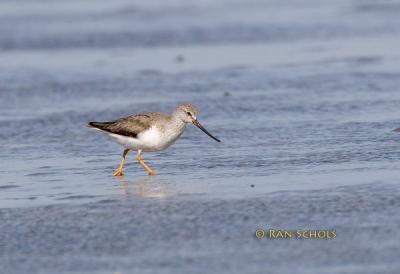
(155, 139)
(152, 139)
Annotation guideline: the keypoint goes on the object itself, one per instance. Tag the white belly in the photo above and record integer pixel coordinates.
(150, 140)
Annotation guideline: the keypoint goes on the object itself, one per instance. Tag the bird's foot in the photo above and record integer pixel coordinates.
(143, 164)
(118, 172)
(150, 172)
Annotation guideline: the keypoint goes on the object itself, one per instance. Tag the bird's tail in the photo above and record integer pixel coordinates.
(98, 125)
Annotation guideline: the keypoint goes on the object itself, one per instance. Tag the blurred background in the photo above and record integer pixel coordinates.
(303, 94)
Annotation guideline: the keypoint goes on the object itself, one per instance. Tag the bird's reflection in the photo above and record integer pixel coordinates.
(148, 187)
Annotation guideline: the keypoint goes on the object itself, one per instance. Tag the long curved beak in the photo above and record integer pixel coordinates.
(197, 124)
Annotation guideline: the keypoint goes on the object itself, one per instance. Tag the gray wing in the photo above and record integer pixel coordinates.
(129, 126)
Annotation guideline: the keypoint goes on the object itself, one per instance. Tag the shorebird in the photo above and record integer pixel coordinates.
(153, 131)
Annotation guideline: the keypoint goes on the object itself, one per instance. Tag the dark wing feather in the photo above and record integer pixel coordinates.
(129, 126)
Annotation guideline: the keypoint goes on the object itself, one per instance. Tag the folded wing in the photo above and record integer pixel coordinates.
(129, 126)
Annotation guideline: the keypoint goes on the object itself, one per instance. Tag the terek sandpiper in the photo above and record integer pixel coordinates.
(153, 131)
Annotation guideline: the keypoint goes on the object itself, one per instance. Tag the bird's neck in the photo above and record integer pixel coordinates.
(176, 125)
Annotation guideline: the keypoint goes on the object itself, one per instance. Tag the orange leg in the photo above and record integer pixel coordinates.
(118, 171)
(140, 160)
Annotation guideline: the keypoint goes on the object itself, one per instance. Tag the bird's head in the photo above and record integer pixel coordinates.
(188, 114)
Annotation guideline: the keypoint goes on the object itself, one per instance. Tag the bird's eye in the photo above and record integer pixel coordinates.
(188, 113)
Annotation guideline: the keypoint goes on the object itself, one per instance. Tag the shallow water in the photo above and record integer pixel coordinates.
(304, 97)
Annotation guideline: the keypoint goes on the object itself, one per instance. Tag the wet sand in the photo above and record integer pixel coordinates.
(149, 233)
